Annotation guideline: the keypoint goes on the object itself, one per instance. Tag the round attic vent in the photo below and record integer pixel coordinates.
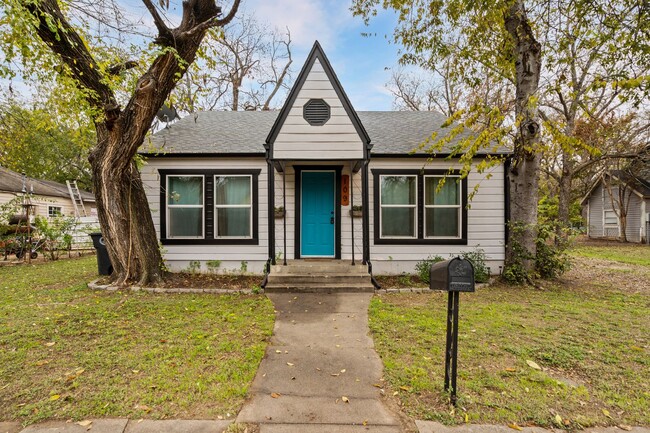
(316, 112)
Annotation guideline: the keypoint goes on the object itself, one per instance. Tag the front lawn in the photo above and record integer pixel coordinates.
(70, 352)
(589, 333)
(636, 254)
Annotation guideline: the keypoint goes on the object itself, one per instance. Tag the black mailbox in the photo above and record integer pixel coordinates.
(455, 275)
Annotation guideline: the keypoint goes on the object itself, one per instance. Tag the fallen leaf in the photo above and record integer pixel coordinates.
(334, 374)
(290, 364)
(511, 369)
(143, 407)
(466, 418)
(533, 364)
(275, 395)
(278, 351)
(50, 344)
(377, 385)
(514, 426)
(343, 371)
(405, 388)
(426, 358)
(396, 393)
(135, 371)
(55, 397)
(625, 427)
(606, 413)
(43, 362)
(345, 399)
(85, 423)
(365, 422)
(558, 419)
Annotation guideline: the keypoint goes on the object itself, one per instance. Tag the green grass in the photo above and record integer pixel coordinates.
(593, 346)
(634, 254)
(69, 352)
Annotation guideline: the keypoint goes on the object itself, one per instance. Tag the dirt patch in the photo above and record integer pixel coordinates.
(403, 281)
(210, 281)
(605, 274)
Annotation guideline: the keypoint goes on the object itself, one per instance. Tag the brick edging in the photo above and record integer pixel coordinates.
(111, 288)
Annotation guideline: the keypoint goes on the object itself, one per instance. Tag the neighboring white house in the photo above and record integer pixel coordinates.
(49, 198)
(216, 180)
(604, 200)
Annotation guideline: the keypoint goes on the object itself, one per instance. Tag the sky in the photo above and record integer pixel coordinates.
(362, 63)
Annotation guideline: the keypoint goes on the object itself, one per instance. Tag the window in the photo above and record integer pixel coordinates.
(54, 211)
(419, 207)
(185, 207)
(610, 218)
(398, 206)
(233, 206)
(442, 211)
(209, 207)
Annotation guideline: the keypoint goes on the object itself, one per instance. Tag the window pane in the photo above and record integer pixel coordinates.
(448, 194)
(233, 222)
(442, 222)
(185, 190)
(185, 222)
(398, 221)
(232, 190)
(398, 189)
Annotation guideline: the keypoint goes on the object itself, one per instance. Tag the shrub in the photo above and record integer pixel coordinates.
(551, 259)
(422, 267)
(477, 258)
(56, 234)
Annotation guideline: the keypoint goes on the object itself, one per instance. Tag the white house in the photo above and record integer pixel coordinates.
(214, 180)
(609, 193)
(49, 199)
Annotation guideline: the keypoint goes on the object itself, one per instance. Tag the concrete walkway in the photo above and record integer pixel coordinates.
(320, 372)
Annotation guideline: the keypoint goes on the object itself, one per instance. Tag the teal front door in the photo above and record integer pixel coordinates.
(317, 221)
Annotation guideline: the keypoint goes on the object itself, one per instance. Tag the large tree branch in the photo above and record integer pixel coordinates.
(66, 42)
(213, 21)
(163, 31)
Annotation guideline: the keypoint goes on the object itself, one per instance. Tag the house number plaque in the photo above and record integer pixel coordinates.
(345, 190)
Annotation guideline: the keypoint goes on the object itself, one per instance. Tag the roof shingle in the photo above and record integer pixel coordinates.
(244, 132)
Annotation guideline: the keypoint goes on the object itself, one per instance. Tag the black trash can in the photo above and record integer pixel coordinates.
(104, 266)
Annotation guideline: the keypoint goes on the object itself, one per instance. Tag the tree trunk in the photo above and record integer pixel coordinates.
(523, 176)
(564, 197)
(122, 205)
(125, 218)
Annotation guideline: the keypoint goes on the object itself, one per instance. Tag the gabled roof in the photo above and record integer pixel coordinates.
(243, 133)
(12, 182)
(317, 53)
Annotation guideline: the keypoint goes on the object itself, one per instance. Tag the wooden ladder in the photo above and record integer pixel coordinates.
(77, 201)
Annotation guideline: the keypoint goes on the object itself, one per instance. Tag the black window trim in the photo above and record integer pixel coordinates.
(208, 206)
(421, 238)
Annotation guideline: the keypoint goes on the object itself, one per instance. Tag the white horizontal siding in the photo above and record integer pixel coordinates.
(178, 257)
(337, 139)
(485, 221)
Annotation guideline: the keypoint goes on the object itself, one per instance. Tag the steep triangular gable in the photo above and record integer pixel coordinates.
(342, 136)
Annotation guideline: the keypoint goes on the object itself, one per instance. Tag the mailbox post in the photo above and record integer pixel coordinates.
(453, 276)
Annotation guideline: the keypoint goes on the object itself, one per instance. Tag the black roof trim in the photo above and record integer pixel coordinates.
(317, 53)
(437, 155)
(203, 155)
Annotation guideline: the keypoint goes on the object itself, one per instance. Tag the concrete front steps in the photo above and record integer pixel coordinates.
(319, 276)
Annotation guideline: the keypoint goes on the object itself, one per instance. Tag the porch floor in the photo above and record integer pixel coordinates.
(319, 275)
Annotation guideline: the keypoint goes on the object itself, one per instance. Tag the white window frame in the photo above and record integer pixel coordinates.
(414, 206)
(184, 206)
(459, 206)
(233, 206)
(605, 223)
(51, 207)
